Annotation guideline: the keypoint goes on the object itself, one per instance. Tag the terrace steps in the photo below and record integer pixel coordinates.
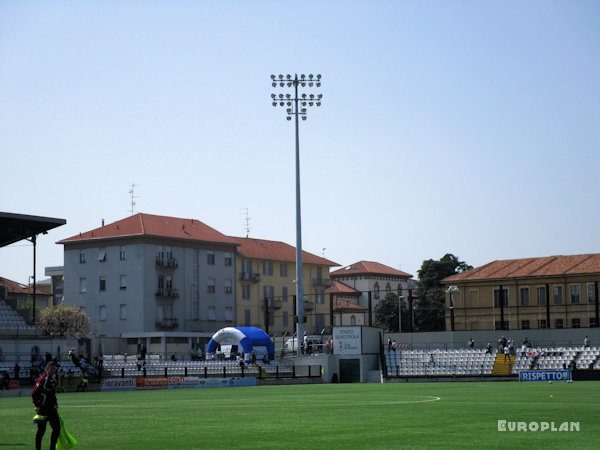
(502, 367)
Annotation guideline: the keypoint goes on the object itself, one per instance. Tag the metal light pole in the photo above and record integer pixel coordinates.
(293, 109)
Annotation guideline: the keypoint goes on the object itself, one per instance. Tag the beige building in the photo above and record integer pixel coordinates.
(267, 270)
(530, 293)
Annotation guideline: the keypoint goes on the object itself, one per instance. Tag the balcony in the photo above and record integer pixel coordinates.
(250, 276)
(167, 293)
(167, 324)
(321, 282)
(274, 303)
(166, 263)
(309, 306)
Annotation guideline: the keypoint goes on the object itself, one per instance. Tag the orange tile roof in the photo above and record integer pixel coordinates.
(341, 288)
(20, 288)
(339, 303)
(548, 266)
(275, 251)
(151, 225)
(369, 267)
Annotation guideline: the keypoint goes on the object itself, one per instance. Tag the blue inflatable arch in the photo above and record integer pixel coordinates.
(246, 338)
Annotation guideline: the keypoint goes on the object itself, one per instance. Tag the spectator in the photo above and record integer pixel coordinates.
(389, 344)
(488, 349)
(470, 343)
(511, 346)
(507, 354)
(17, 369)
(586, 342)
(173, 357)
(394, 345)
(524, 349)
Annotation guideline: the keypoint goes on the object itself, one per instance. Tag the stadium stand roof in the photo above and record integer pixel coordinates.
(16, 227)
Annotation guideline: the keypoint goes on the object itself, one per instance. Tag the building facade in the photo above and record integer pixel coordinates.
(532, 293)
(266, 290)
(152, 280)
(373, 281)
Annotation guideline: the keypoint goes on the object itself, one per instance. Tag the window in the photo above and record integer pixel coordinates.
(575, 294)
(82, 257)
(283, 270)
(541, 296)
(245, 292)
(228, 287)
(268, 292)
(228, 314)
(399, 290)
(102, 312)
(102, 286)
(212, 313)
(82, 285)
(247, 318)
(499, 327)
(267, 268)
(211, 286)
(376, 289)
(593, 322)
(228, 259)
(210, 258)
(388, 288)
(123, 312)
(557, 291)
(591, 293)
(284, 294)
(122, 254)
(320, 297)
(271, 318)
(525, 324)
(123, 282)
(558, 323)
(575, 323)
(542, 323)
(498, 295)
(161, 282)
(102, 255)
(525, 297)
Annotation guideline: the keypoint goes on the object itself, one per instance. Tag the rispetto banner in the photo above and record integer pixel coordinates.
(545, 375)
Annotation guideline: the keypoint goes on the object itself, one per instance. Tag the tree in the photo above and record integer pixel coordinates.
(432, 300)
(64, 320)
(386, 313)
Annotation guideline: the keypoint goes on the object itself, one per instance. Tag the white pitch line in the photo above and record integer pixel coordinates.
(349, 403)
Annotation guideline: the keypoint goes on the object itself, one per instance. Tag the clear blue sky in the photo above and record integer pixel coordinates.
(464, 127)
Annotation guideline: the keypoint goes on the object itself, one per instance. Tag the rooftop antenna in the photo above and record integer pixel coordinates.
(247, 223)
(323, 252)
(133, 197)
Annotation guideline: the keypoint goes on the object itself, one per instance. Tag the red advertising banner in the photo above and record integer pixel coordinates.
(152, 383)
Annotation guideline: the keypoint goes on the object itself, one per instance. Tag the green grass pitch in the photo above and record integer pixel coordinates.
(373, 416)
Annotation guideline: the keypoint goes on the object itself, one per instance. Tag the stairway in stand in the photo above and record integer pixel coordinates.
(501, 367)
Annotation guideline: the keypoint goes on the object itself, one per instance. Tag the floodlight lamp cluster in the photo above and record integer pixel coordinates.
(292, 102)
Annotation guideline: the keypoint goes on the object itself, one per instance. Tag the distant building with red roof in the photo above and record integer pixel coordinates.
(157, 280)
(526, 293)
(372, 281)
(267, 270)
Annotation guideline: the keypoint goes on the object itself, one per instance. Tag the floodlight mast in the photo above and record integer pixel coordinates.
(294, 110)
